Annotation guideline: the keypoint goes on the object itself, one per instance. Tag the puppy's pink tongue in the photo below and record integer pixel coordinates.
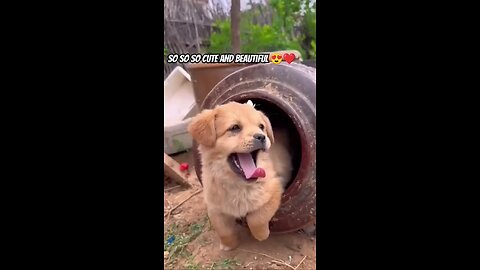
(248, 166)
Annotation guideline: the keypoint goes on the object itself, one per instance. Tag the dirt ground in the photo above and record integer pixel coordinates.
(190, 242)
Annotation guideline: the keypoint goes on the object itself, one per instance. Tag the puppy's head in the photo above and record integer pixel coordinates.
(234, 132)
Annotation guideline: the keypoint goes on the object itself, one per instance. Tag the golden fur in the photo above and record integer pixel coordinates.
(227, 195)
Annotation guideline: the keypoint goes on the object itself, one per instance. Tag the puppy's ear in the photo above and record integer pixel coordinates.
(268, 127)
(202, 128)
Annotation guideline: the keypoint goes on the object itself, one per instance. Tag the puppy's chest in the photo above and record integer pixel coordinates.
(238, 201)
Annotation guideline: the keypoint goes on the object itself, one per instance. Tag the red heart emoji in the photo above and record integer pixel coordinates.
(289, 57)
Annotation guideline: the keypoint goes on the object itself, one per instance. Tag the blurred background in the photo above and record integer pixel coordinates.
(247, 26)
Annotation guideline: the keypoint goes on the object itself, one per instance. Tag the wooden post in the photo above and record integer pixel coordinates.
(235, 25)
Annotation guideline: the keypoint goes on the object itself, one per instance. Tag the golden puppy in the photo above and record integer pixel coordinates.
(244, 169)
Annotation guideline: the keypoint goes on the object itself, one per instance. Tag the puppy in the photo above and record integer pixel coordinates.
(244, 168)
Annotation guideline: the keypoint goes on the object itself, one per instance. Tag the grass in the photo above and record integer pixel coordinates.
(204, 242)
(177, 247)
(226, 264)
(183, 237)
(192, 265)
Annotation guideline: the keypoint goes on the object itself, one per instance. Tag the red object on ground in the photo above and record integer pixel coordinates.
(184, 166)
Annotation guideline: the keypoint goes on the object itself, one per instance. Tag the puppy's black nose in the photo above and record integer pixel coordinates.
(259, 137)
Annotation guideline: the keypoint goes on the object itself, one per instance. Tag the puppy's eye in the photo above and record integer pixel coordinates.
(261, 126)
(234, 128)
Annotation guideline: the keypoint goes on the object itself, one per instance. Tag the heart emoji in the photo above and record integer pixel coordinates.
(289, 57)
(276, 58)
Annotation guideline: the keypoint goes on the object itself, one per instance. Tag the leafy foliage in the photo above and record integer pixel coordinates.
(281, 34)
(220, 40)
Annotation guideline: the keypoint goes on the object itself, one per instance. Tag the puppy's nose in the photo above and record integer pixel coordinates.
(259, 137)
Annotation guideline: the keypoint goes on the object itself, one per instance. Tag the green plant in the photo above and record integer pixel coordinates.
(220, 40)
(280, 35)
(177, 246)
(313, 51)
(191, 264)
(226, 264)
(308, 27)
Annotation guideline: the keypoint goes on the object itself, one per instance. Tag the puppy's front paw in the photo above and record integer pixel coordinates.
(228, 242)
(261, 233)
(224, 247)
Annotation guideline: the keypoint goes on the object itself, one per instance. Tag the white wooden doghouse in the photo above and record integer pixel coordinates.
(180, 107)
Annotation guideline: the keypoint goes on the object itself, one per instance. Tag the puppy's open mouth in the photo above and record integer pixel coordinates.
(245, 164)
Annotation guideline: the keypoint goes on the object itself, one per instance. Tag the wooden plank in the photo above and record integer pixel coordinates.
(172, 169)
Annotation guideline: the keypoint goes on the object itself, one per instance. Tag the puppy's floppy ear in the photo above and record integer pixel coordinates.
(268, 127)
(202, 128)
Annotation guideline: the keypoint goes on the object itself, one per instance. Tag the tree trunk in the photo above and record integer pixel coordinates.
(235, 25)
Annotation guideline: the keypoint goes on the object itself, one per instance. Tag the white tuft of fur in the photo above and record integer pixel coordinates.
(249, 102)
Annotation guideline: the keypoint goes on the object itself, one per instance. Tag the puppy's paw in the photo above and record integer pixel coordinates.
(228, 243)
(261, 234)
(225, 248)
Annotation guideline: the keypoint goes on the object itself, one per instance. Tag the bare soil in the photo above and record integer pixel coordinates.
(189, 223)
